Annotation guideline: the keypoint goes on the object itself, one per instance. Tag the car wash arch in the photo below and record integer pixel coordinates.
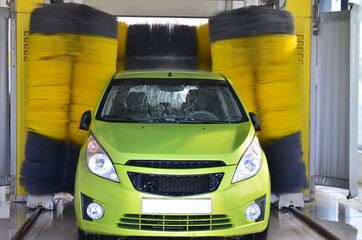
(312, 32)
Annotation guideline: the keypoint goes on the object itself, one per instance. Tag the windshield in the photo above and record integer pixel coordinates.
(170, 101)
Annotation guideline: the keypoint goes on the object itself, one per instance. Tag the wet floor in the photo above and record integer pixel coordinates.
(331, 209)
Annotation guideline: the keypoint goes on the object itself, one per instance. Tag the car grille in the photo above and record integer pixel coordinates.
(175, 185)
(175, 164)
(175, 222)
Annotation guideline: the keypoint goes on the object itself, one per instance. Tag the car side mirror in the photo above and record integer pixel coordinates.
(85, 120)
(255, 121)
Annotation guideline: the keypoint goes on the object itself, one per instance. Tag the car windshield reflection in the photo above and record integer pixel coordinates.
(170, 101)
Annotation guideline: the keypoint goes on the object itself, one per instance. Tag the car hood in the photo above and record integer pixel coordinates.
(134, 141)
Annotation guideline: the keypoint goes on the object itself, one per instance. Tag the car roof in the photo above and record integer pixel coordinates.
(169, 74)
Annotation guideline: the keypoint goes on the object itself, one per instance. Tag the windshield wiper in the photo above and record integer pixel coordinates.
(161, 120)
(212, 121)
(118, 118)
(183, 120)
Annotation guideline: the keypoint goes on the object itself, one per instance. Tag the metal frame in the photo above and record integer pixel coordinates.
(45, 201)
(13, 107)
(351, 117)
(353, 99)
(313, 98)
(4, 96)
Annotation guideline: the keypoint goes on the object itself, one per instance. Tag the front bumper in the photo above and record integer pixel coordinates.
(123, 204)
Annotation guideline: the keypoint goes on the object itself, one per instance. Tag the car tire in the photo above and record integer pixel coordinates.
(82, 235)
(258, 236)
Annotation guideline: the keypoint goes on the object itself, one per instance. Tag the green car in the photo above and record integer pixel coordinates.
(171, 153)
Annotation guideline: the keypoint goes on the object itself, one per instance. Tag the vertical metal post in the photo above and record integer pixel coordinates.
(13, 103)
(313, 98)
(353, 99)
(4, 99)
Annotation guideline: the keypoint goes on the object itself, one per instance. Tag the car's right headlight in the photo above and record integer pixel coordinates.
(98, 161)
(250, 163)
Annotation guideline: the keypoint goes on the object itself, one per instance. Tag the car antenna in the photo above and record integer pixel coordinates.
(170, 74)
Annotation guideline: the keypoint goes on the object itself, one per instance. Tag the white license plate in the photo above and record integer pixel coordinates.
(176, 206)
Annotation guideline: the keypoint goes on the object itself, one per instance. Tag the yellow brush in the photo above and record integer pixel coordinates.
(255, 48)
(92, 71)
(122, 39)
(72, 55)
(203, 47)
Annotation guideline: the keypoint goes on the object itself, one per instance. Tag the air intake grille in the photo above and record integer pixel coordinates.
(175, 185)
(175, 222)
(175, 164)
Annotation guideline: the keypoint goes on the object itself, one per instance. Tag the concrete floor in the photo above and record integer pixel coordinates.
(331, 209)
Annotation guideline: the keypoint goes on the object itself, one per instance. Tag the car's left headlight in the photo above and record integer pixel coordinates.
(98, 161)
(250, 163)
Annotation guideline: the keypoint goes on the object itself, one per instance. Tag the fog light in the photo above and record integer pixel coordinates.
(95, 211)
(252, 212)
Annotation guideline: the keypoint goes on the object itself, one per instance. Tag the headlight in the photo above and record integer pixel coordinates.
(252, 212)
(250, 163)
(95, 211)
(98, 161)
